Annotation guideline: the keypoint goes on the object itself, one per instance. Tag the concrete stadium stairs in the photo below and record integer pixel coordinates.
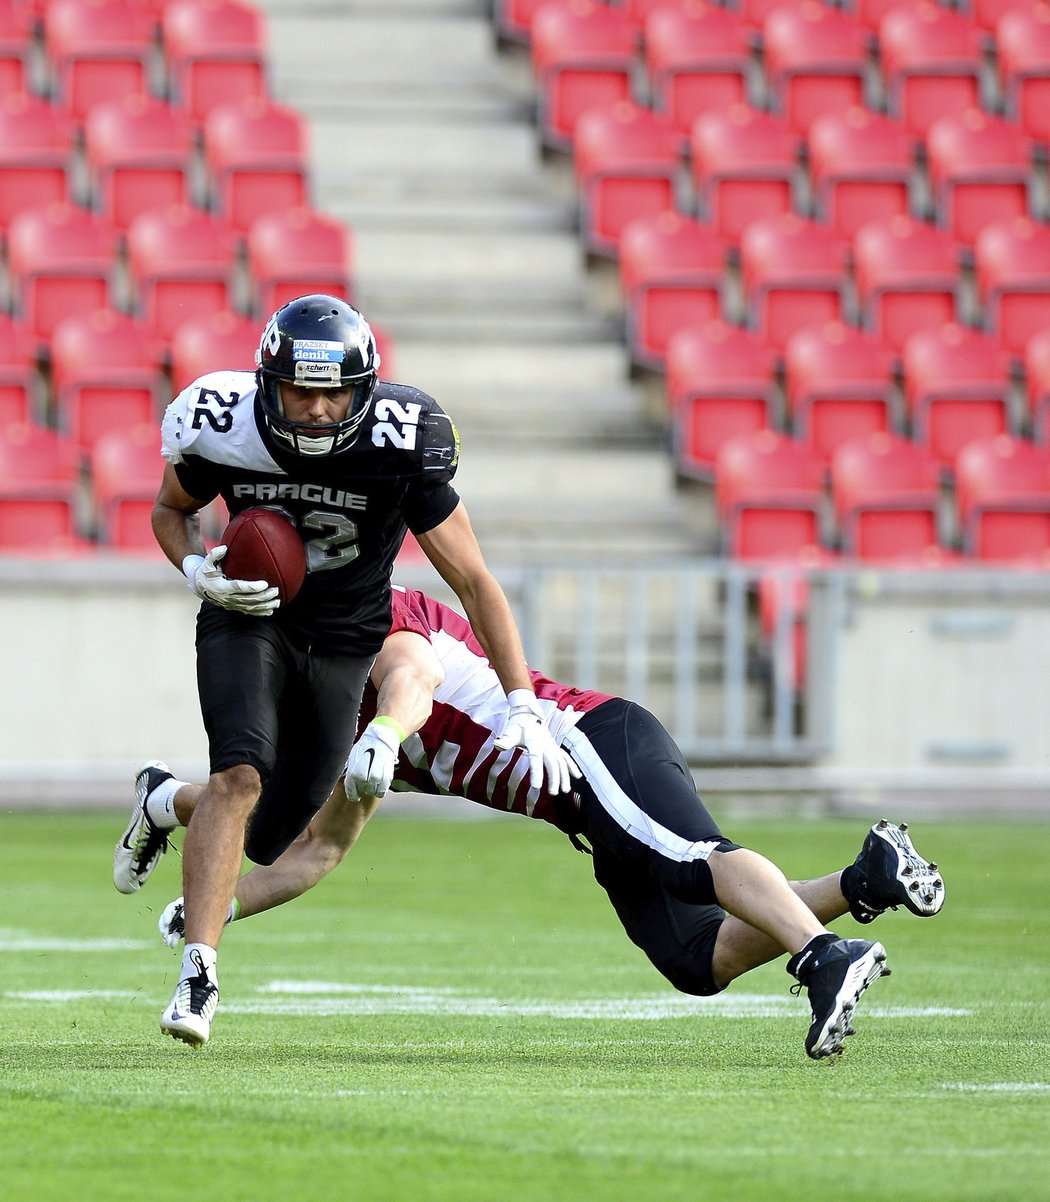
(466, 253)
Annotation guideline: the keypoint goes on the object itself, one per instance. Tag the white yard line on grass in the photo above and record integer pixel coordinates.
(330, 999)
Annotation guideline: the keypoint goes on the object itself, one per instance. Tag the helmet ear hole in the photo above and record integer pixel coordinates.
(316, 341)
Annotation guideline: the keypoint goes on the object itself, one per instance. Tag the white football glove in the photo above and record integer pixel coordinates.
(371, 762)
(206, 579)
(525, 727)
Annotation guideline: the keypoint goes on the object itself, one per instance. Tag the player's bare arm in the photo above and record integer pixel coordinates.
(176, 520)
(453, 549)
(406, 673)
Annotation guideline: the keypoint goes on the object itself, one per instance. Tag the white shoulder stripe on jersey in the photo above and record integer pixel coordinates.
(626, 813)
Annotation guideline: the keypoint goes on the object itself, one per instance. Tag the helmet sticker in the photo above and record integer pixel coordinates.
(317, 350)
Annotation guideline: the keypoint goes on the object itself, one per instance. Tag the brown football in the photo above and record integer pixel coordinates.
(262, 544)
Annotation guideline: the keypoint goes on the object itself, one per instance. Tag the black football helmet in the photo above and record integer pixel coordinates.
(316, 342)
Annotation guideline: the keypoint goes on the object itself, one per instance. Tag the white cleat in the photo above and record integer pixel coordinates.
(143, 843)
(189, 1013)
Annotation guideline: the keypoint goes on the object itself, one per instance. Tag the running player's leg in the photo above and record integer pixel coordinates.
(318, 722)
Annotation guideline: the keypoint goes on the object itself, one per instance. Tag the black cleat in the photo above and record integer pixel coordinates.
(835, 975)
(888, 873)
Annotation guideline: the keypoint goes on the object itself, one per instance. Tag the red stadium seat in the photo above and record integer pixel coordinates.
(126, 470)
(1012, 262)
(216, 53)
(627, 163)
(979, 168)
(986, 14)
(793, 274)
(1037, 382)
(931, 62)
(1022, 40)
(36, 151)
(18, 378)
(514, 18)
(769, 492)
(887, 496)
(60, 259)
(104, 375)
(720, 383)
(1002, 488)
(956, 386)
(907, 277)
(839, 384)
(671, 275)
(15, 47)
(98, 50)
(698, 59)
(216, 341)
(39, 473)
(583, 56)
(180, 262)
(139, 152)
(754, 12)
(745, 165)
(256, 152)
(861, 165)
(297, 251)
(816, 59)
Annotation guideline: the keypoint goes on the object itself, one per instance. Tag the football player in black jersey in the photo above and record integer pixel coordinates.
(354, 462)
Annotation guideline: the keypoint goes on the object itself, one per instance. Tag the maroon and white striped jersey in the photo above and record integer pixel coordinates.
(454, 752)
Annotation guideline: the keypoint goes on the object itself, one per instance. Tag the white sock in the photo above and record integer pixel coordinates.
(160, 805)
(198, 958)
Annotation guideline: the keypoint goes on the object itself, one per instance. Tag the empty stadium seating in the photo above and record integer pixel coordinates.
(839, 385)
(698, 59)
(956, 386)
(214, 341)
(887, 497)
(98, 50)
(296, 251)
(907, 277)
(181, 262)
(1037, 383)
(39, 472)
(583, 55)
(126, 468)
(104, 375)
(61, 259)
(931, 62)
(671, 275)
(36, 154)
(139, 152)
(861, 165)
(627, 163)
(1012, 260)
(256, 152)
(745, 165)
(215, 51)
(980, 170)
(769, 491)
(18, 378)
(793, 273)
(815, 60)
(720, 383)
(1022, 41)
(1003, 493)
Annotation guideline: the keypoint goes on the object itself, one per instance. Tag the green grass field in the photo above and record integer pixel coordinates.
(456, 1014)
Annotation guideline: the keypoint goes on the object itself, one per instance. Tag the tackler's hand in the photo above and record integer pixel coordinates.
(372, 760)
(525, 727)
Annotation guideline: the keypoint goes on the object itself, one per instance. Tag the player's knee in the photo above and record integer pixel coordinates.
(690, 973)
(239, 785)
